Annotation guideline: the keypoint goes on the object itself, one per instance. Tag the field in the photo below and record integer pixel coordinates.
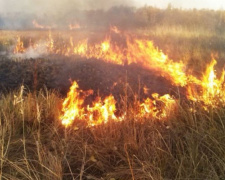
(186, 141)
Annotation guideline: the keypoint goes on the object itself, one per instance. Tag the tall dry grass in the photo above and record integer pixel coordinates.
(186, 145)
(34, 144)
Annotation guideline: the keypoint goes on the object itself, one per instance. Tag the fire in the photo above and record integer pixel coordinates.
(50, 43)
(19, 48)
(74, 26)
(105, 46)
(159, 107)
(138, 51)
(81, 48)
(105, 50)
(143, 52)
(101, 111)
(72, 105)
(39, 26)
(74, 108)
(115, 29)
(210, 90)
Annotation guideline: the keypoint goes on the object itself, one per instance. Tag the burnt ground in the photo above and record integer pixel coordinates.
(57, 72)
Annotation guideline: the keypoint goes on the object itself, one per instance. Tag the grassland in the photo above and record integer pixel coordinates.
(34, 144)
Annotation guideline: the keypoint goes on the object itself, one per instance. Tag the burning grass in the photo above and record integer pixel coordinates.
(110, 125)
(35, 145)
(101, 111)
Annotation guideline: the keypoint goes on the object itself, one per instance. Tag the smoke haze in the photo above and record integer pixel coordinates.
(54, 6)
(58, 14)
(62, 6)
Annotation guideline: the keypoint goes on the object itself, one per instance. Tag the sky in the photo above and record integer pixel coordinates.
(38, 6)
(185, 4)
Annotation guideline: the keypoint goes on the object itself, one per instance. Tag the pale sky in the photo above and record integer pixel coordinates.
(37, 6)
(186, 4)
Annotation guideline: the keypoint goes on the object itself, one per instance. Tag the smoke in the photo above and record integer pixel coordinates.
(58, 6)
(37, 52)
(16, 14)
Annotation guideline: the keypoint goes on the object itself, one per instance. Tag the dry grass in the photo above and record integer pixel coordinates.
(187, 145)
(193, 45)
(34, 145)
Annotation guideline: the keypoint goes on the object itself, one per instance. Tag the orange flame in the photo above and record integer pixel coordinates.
(137, 51)
(210, 90)
(19, 48)
(160, 107)
(73, 108)
(74, 26)
(50, 43)
(39, 26)
(101, 111)
(115, 29)
(72, 105)
(81, 48)
(143, 52)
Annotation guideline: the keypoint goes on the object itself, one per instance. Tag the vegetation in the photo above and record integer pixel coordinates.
(188, 144)
(34, 144)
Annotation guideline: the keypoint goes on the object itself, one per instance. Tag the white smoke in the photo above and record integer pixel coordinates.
(57, 6)
(19, 14)
(33, 52)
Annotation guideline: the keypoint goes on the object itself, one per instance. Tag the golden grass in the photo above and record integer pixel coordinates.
(34, 144)
(178, 31)
(187, 145)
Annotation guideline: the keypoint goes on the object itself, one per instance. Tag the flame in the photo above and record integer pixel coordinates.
(50, 43)
(19, 48)
(105, 46)
(39, 26)
(115, 30)
(138, 51)
(101, 111)
(143, 52)
(81, 48)
(72, 105)
(210, 90)
(73, 108)
(74, 26)
(159, 107)
(146, 90)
